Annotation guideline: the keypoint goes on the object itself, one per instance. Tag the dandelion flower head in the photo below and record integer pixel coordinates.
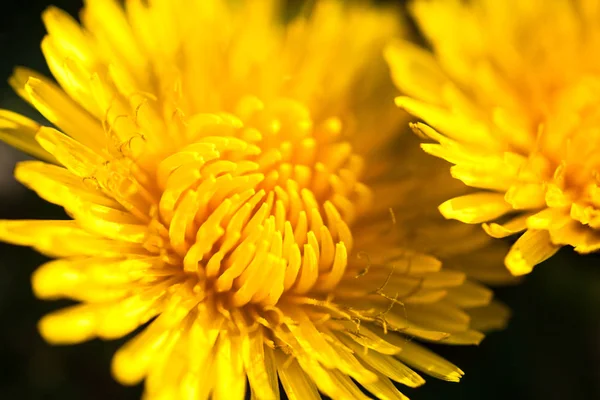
(230, 189)
(510, 91)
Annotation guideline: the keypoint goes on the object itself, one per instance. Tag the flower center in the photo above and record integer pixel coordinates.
(260, 206)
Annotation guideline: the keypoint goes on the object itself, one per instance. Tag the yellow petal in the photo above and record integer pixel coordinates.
(116, 38)
(78, 158)
(230, 378)
(489, 318)
(370, 340)
(512, 226)
(335, 387)
(69, 325)
(428, 362)
(482, 264)
(295, 382)
(72, 75)
(533, 247)
(388, 366)
(131, 362)
(58, 186)
(583, 238)
(439, 316)
(347, 385)
(469, 294)
(68, 34)
(384, 389)
(260, 367)
(467, 338)
(549, 218)
(527, 196)
(109, 320)
(475, 208)
(483, 177)
(454, 126)
(62, 239)
(19, 131)
(92, 279)
(415, 71)
(58, 108)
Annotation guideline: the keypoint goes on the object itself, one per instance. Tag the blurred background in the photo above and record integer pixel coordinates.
(551, 349)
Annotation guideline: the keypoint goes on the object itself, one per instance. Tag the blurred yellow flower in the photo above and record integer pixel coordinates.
(511, 92)
(232, 185)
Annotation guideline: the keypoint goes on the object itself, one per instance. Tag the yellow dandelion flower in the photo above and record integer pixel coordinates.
(510, 94)
(231, 192)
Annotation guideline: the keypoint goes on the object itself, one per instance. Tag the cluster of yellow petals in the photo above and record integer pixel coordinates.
(233, 187)
(510, 93)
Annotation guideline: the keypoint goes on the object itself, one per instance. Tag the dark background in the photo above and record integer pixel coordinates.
(551, 349)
